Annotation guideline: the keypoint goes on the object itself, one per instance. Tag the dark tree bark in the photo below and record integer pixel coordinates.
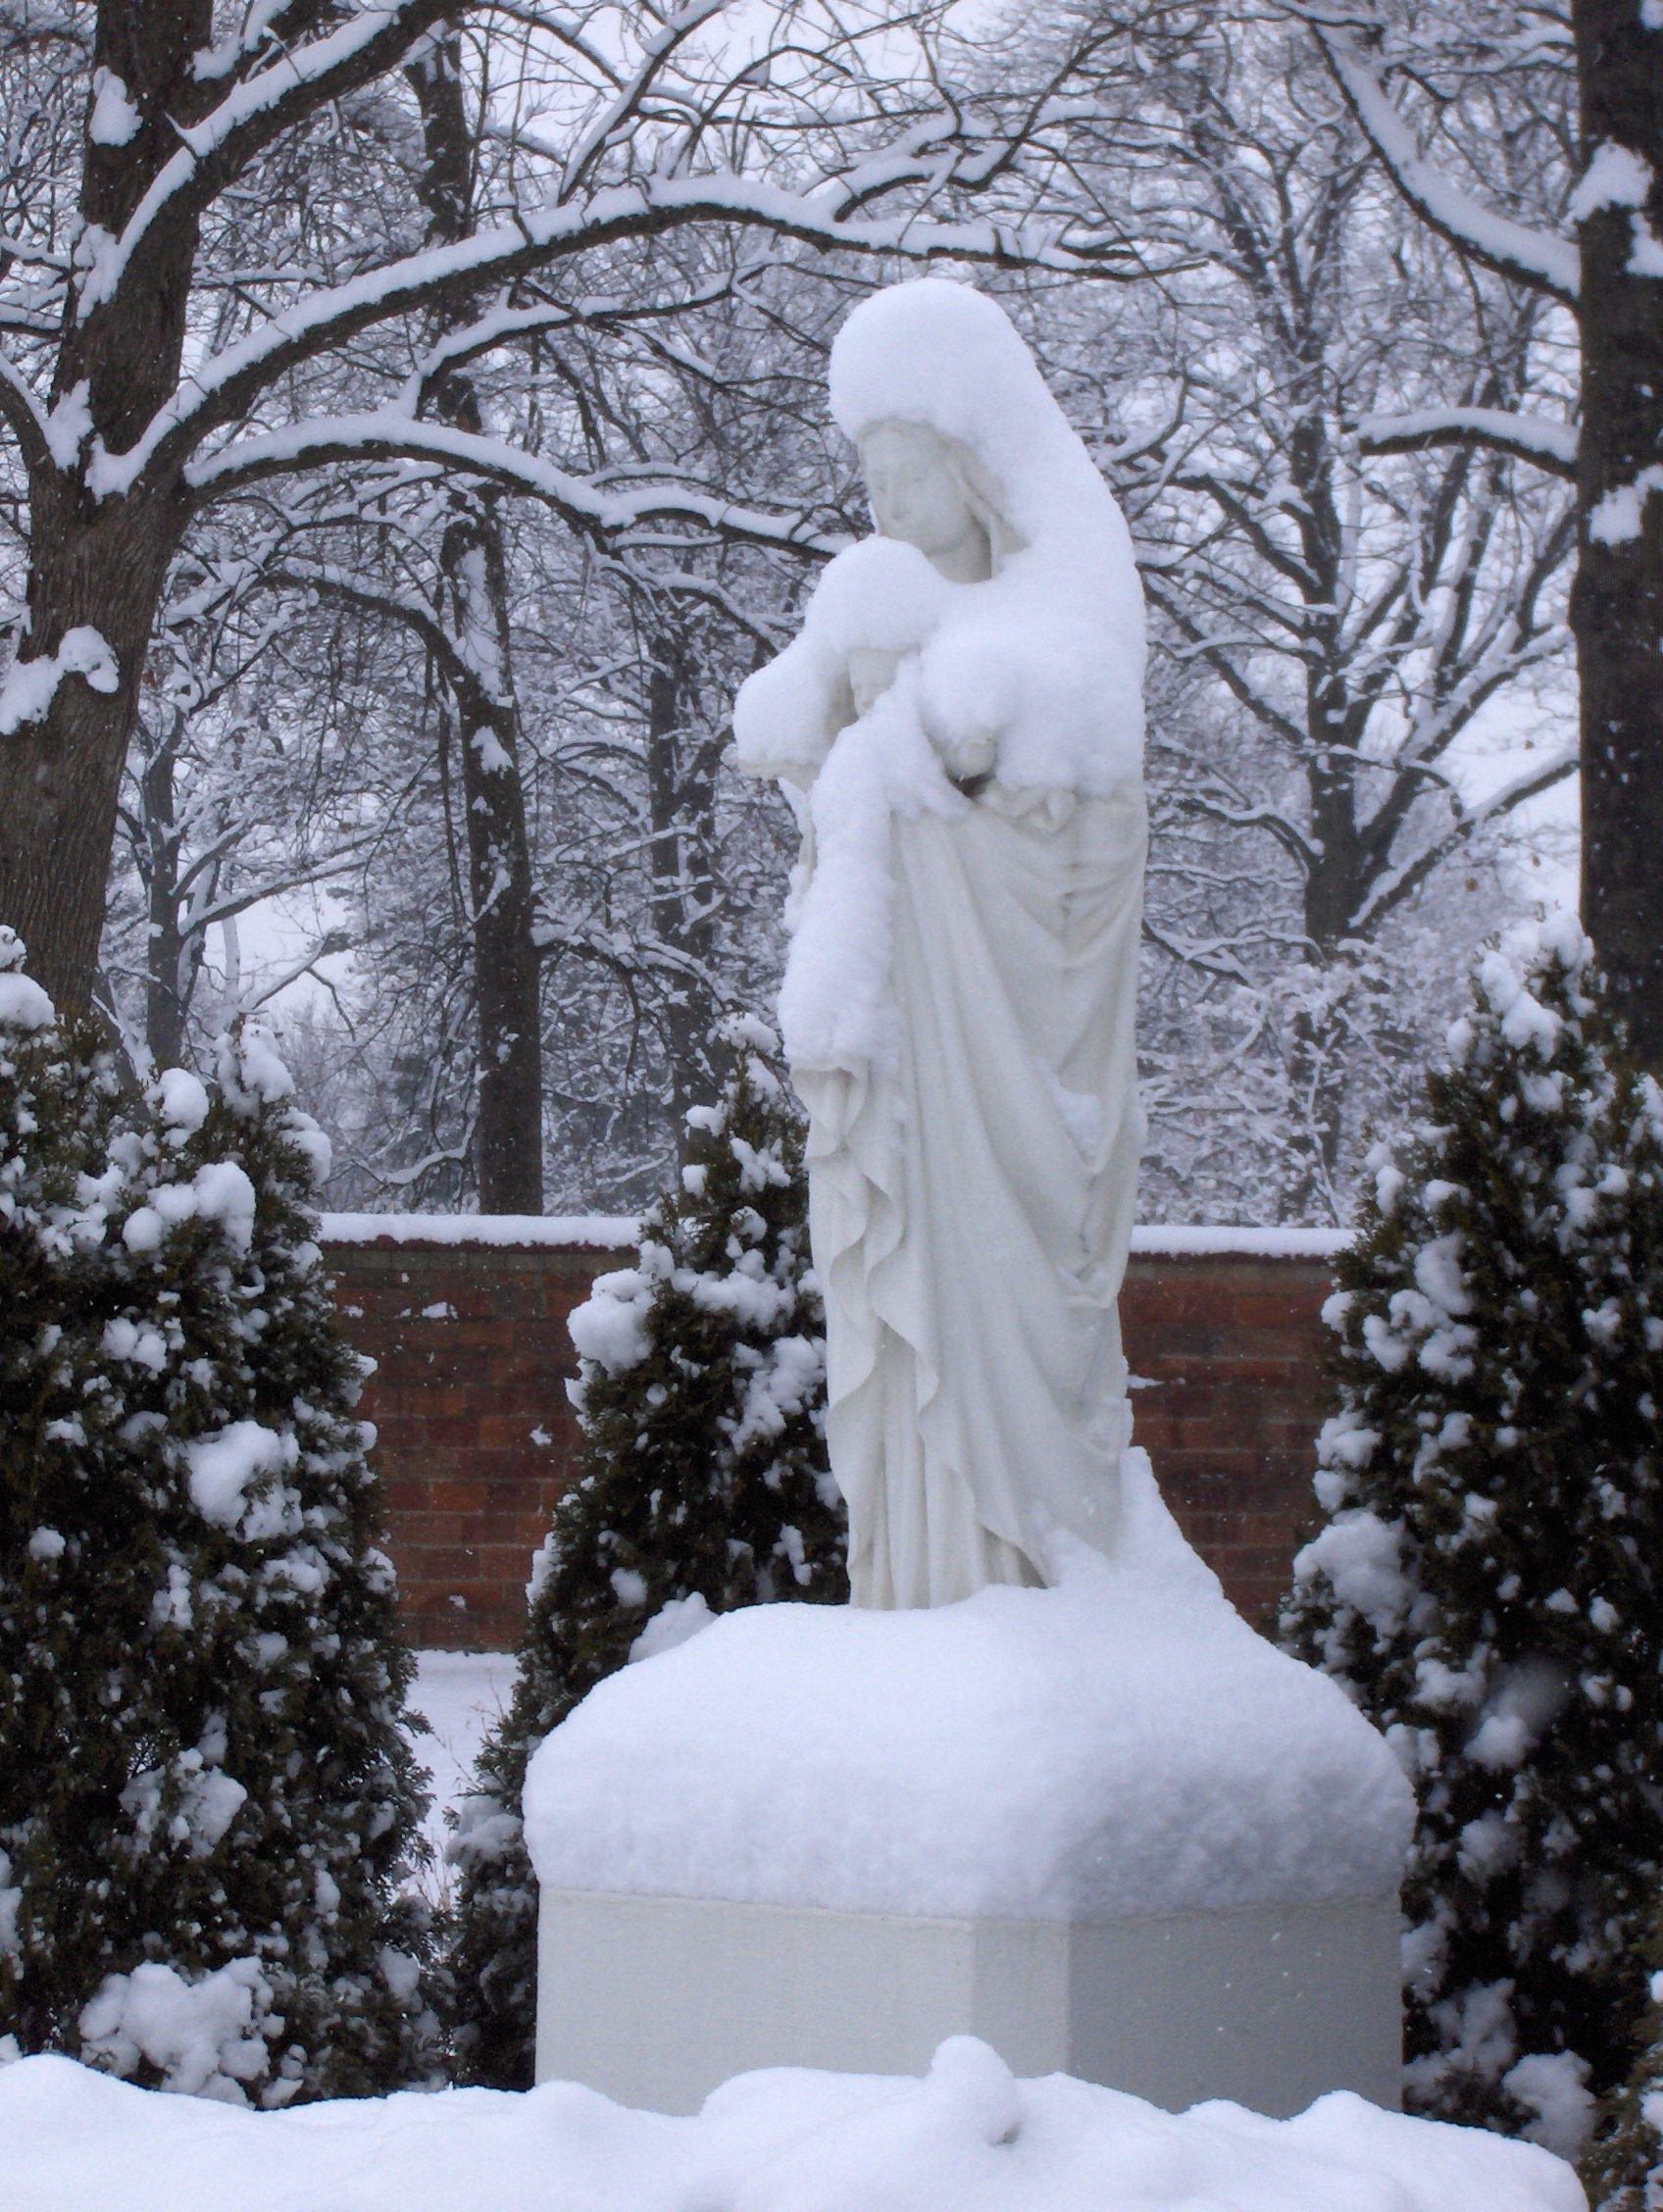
(680, 797)
(1614, 286)
(167, 996)
(508, 1144)
(1617, 604)
(100, 564)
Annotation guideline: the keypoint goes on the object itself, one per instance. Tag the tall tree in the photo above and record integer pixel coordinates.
(483, 708)
(123, 449)
(1600, 66)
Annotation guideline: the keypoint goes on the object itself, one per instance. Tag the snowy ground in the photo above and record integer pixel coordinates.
(460, 1693)
(967, 2138)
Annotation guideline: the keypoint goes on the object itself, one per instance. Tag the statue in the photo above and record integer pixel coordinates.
(960, 728)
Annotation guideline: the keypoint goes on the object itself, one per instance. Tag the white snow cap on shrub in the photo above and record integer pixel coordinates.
(24, 1005)
(222, 1466)
(203, 2036)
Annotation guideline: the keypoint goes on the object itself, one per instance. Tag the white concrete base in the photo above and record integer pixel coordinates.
(657, 2000)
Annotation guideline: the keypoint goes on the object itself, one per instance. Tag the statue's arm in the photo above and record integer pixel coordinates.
(787, 715)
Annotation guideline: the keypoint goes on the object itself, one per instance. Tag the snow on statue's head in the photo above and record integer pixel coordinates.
(969, 458)
(944, 358)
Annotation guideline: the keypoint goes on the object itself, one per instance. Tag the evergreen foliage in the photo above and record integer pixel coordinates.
(1623, 2170)
(207, 1798)
(1486, 1585)
(703, 1486)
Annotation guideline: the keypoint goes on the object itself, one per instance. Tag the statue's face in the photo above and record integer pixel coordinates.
(914, 492)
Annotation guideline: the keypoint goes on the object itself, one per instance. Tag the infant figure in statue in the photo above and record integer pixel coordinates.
(960, 728)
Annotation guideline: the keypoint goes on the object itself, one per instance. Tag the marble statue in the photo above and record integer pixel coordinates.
(960, 726)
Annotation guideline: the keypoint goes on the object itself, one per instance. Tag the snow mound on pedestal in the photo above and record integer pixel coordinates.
(1122, 1745)
(966, 2139)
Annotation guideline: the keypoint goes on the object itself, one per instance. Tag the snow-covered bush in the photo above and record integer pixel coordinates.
(1488, 1581)
(206, 1794)
(703, 1486)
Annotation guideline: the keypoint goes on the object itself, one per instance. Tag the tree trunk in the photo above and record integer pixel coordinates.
(1617, 602)
(101, 564)
(508, 1142)
(507, 965)
(172, 958)
(681, 790)
(99, 568)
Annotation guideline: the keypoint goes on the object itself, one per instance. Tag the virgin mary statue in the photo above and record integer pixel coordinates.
(960, 726)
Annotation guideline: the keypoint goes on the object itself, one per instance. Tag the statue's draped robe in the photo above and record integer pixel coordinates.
(971, 1206)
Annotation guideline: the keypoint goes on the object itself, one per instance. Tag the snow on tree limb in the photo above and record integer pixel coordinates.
(221, 390)
(389, 434)
(1535, 439)
(1391, 890)
(1511, 249)
(255, 112)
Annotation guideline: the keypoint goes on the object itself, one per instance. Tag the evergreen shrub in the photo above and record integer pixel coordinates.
(1486, 1585)
(208, 1802)
(703, 1486)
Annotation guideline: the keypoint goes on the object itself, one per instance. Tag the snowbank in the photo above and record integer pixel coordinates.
(966, 2139)
(1122, 1744)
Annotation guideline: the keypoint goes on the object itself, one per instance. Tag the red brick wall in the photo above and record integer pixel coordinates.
(1230, 1346)
(476, 1438)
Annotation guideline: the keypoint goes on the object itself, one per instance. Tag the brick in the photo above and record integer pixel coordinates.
(1232, 1342)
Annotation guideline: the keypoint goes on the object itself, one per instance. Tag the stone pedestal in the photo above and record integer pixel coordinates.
(1103, 1826)
(656, 2000)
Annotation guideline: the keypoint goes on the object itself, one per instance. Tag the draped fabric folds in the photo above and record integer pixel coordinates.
(971, 1206)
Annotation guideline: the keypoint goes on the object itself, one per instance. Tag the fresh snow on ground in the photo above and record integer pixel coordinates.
(459, 1694)
(1123, 1743)
(966, 2139)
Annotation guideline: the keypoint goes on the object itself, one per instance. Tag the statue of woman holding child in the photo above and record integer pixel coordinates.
(960, 726)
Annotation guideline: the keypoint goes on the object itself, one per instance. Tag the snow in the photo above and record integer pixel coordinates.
(1535, 438)
(459, 1694)
(183, 1102)
(1035, 674)
(1175, 1243)
(1556, 2085)
(1615, 177)
(617, 1232)
(221, 1467)
(1536, 256)
(24, 1005)
(967, 2138)
(224, 1194)
(609, 1327)
(68, 425)
(30, 686)
(114, 120)
(671, 1624)
(203, 2034)
(1121, 1744)
(1617, 517)
(605, 1232)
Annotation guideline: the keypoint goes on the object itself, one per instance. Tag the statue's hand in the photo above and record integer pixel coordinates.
(968, 756)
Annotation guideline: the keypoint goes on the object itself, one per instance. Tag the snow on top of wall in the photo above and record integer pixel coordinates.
(967, 2138)
(606, 1233)
(1121, 1744)
(1175, 1241)
(611, 1233)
